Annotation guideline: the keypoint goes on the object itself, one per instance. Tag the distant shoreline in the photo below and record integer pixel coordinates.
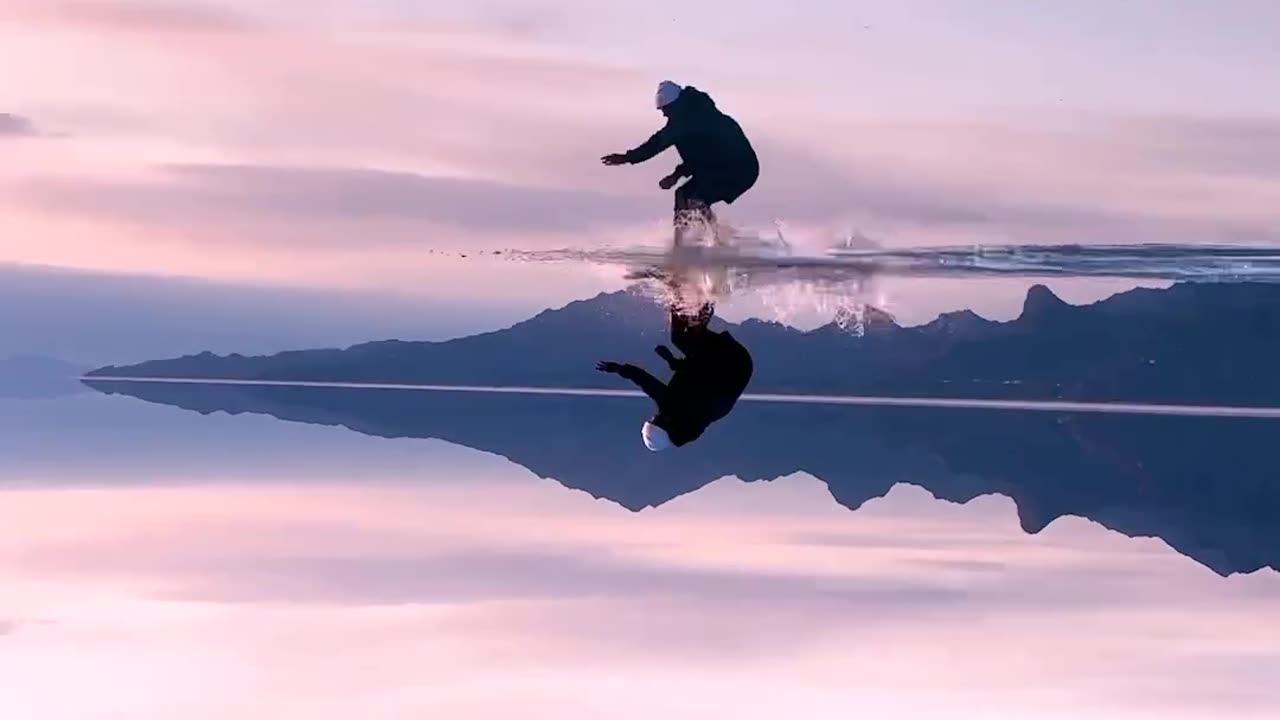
(1123, 408)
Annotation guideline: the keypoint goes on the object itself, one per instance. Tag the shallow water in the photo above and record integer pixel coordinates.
(1071, 512)
(1174, 262)
(166, 562)
(844, 277)
(869, 401)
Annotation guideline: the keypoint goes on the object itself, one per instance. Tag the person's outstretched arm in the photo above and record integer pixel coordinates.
(652, 386)
(658, 142)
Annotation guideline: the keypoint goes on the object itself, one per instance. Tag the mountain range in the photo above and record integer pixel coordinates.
(1186, 344)
(1209, 487)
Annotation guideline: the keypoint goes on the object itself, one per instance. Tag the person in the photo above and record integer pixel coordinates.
(705, 384)
(715, 154)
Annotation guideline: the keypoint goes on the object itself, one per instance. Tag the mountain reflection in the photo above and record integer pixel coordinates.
(1209, 487)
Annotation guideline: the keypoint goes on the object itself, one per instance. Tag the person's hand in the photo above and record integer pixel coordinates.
(668, 182)
(614, 159)
(664, 352)
(612, 368)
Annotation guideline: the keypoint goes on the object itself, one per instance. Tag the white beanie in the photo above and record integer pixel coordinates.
(655, 438)
(667, 93)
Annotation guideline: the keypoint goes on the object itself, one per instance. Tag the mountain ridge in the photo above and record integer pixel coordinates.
(1187, 344)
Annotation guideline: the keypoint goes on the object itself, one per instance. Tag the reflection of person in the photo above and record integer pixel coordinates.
(714, 153)
(705, 384)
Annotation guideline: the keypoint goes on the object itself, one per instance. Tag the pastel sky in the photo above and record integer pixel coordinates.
(362, 146)
(169, 563)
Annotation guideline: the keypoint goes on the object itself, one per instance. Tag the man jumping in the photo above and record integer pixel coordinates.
(714, 154)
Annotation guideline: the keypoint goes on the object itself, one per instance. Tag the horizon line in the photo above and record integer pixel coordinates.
(1067, 406)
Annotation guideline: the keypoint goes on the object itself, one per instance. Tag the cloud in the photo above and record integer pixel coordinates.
(321, 559)
(1239, 146)
(396, 580)
(369, 193)
(378, 568)
(909, 201)
(801, 183)
(16, 126)
(194, 194)
(798, 187)
(151, 16)
(528, 22)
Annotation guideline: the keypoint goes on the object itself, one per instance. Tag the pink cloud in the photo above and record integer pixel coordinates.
(16, 126)
(200, 193)
(576, 594)
(152, 16)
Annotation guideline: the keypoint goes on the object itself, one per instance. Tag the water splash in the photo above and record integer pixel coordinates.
(1173, 262)
(840, 282)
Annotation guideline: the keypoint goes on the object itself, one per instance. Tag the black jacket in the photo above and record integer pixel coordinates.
(704, 387)
(711, 144)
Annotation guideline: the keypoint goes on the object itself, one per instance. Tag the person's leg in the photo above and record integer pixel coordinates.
(680, 336)
(713, 189)
(679, 220)
(708, 218)
(692, 208)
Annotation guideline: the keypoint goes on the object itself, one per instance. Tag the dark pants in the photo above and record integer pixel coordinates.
(704, 190)
(689, 332)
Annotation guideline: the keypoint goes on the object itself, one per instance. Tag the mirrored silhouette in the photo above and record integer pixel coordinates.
(705, 383)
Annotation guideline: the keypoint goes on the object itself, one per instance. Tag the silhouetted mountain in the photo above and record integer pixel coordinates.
(31, 377)
(1191, 343)
(1208, 487)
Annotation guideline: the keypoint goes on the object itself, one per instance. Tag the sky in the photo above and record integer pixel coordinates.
(363, 147)
(169, 563)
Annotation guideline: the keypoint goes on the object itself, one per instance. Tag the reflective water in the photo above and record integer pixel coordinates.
(746, 254)
(848, 274)
(110, 383)
(434, 555)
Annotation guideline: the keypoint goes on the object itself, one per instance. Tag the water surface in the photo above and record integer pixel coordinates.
(162, 562)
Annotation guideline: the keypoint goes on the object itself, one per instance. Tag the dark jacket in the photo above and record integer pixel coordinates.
(704, 386)
(711, 144)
